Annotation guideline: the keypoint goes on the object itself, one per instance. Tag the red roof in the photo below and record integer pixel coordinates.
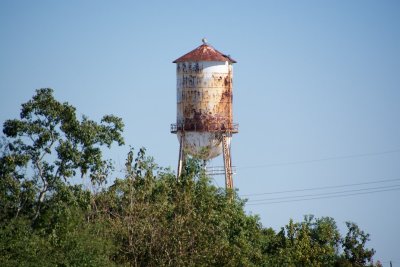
(204, 52)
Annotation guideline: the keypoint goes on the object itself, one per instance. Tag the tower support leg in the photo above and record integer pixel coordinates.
(227, 162)
(181, 156)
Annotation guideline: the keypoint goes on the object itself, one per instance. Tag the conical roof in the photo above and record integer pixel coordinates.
(204, 52)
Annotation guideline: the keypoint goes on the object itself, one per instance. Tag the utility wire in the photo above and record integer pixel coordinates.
(319, 160)
(322, 197)
(326, 193)
(322, 187)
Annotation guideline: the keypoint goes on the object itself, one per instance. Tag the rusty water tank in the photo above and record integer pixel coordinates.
(204, 101)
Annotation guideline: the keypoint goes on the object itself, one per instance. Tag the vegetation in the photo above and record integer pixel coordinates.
(146, 218)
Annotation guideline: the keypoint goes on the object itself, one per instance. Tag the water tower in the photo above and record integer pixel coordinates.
(204, 124)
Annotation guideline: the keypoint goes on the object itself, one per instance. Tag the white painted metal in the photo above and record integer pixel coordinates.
(200, 92)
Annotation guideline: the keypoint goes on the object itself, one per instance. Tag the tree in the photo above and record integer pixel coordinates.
(354, 246)
(313, 242)
(158, 221)
(49, 138)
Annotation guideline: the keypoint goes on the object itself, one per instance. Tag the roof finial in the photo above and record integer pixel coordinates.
(204, 40)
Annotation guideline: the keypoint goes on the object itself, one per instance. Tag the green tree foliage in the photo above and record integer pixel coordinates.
(43, 219)
(355, 252)
(313, 242)
(49, 138)
(159, 221)
(147, 218)
(62, 237)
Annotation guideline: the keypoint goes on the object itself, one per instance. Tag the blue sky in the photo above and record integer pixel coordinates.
(316, 91)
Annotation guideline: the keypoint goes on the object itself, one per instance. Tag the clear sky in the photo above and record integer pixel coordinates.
(316, 92)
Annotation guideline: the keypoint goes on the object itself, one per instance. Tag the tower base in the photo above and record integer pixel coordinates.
(226, 152)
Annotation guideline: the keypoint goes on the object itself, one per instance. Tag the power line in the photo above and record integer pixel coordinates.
(326, 193)
(320, 159)
(322, 197)
(321, 188)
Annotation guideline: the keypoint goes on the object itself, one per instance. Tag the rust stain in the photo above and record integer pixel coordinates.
(206, 102)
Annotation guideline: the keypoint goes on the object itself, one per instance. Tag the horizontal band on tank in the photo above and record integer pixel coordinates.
(222, 128)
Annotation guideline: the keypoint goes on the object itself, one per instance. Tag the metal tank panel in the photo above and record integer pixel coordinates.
(204, 96)
(202, 144)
